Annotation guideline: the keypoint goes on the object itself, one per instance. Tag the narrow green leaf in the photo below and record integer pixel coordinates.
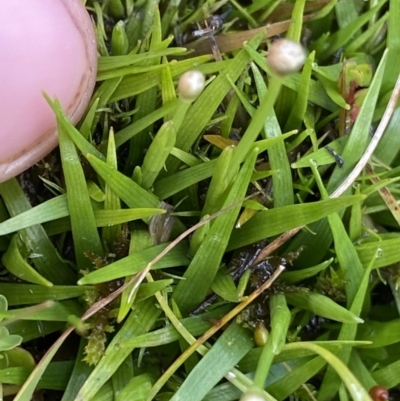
(280, 321)
(126, 189)
(52, 209)
(137, 261)
(147, 290)
(204, 266)
(296, 22)
(387, 252)
(393, 44)
(15, 263)
(343, 36)
(224, 286)
(28, 388)
(54, 378)
(355, 389)
(157, 154)
(322, 306)
(57, 208)
(271, 222)
(35, 238)
(31, 330)
(137, 389)
(265, 117)
(56, 312)
(122, 378)
(388, 376)
(84, 230)
(111, 63)
(220, 182)
(111, 201)
(296, 276)
(230, 347)
(380, 333)
(298, 112)
(194, 325)
(294, 379)
(139, 322)
(171, 185)
(322, 156)
(27, 294)
(79, 374)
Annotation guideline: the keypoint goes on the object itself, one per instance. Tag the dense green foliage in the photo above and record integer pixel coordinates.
(287, 287)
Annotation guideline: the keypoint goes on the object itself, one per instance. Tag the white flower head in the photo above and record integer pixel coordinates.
(285, 56)
(191, 84)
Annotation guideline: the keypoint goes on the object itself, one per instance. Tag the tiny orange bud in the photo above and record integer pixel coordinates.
(379, 393)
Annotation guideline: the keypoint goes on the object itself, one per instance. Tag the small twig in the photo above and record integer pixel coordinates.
(233, 41)
(32, 379)
(274, 245)
(236, 275)
(386, 195)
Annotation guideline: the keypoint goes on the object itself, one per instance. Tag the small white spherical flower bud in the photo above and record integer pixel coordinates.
(191, 84)
(253, 395)
(285, 56)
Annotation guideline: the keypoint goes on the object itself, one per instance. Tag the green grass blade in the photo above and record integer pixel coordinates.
(111, 202)
(233, 344)
(280, 321)
(330, 384)
(294, 379)
(122, 377)
(54, 378)
(84, 230)
(36, 239)
(322, 306)
(343, 36)
(16, 264)
(204, 266)
(388, 375)
(28, 294)
(355, 389)
(194, 325)
(79, 375)
(135, 262)
(271, 222)
(111, 63)
(139, 321)
(56, 312)
(282, 180)
(126, 189)
(393, 44)
(47, 211)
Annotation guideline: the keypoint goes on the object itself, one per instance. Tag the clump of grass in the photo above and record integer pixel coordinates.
(240, 244)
